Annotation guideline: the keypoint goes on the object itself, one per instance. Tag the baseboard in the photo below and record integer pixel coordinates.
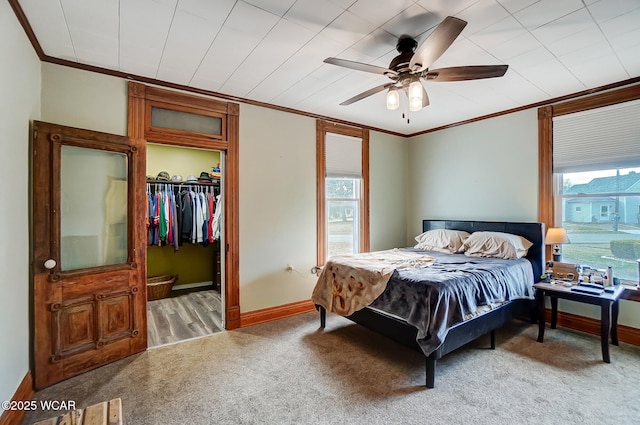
(592, 326)
(23, 393)
(274, 313)
(192, 285)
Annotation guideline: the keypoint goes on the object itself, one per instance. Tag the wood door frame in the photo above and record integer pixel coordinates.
(141, 98)
(322, 128)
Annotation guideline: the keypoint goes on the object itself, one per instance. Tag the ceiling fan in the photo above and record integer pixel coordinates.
(412, 64)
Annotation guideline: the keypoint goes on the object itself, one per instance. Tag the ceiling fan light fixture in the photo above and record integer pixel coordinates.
(393, 98)
(415, 95)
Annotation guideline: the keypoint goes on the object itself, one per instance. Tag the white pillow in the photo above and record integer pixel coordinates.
(442, 240)
(495, 245)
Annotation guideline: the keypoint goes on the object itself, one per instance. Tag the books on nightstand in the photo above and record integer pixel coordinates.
(588, 289)
(592, 288)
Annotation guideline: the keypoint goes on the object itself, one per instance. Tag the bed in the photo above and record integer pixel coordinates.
(420, 324)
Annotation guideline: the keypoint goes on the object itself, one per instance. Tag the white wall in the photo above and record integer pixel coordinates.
(388, 170)
(277, 182)
(486, 170)
(277, 207)
(20, 103)
(83, 99)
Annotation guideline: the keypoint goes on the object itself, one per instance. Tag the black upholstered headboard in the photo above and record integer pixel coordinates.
(534, 232)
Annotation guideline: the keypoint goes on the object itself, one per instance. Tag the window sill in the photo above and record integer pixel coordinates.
(631, 293)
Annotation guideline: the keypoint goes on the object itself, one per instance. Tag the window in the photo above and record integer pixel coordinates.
(343, 212)
(343, 198)
(605, 229)
(589, 148)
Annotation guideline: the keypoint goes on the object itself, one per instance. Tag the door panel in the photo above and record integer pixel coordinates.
(89, 290)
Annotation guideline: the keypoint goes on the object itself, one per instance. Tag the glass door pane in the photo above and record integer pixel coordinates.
(93, 208)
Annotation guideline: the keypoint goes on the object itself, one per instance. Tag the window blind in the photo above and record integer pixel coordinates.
(597, 139)
(343, 156)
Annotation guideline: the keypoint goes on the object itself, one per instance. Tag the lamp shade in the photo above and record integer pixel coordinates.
(556, 235)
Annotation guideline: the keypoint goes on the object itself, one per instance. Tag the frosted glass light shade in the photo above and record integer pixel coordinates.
(415, 96)
(393, 98)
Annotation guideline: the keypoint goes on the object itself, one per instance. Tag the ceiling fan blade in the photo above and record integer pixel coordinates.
(359, 66)
(461, 73)
(436, 44)
(425, 98)
(366, 94)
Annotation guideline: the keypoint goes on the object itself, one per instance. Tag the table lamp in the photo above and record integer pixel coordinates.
(556, 236)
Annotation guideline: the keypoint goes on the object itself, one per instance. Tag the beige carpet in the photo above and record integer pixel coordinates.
(290, 372)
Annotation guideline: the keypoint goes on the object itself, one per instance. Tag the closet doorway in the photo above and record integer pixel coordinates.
(194, 135)
(184, 236)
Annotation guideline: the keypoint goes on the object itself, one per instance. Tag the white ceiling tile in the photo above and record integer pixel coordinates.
(591, 63)
(277, 7)
(515, 47)
(463, 52)
(378, 12)
(376, 44)
(499, 33)
(604, 10)
(482, 14)
(444, 8)
(298, 67)
(578, 41)
(282, 42)
(513, 86)
(227, 52)
(553, 78)
(312, 14)
(626, 41)
(599, 72)
(413, 21)
(546, 11)
(233, 43)
(348, 28)
(622, 24)
(630, 60)
(50, 28)
(515, 5)
(530, 59)
(94, 29)
(570, 24)
(144, 26)
(195, 24)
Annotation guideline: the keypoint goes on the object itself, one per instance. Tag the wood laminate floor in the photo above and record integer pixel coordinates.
(188, 316)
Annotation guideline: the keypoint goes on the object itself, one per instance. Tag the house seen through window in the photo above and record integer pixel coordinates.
(600, 210)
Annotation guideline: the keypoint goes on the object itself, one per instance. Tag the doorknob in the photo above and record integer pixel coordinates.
(50, 264)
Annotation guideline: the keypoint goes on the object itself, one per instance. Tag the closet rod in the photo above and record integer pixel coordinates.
(184, 183)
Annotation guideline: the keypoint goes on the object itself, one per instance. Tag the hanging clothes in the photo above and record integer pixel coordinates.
(217, 217)
(177, 214)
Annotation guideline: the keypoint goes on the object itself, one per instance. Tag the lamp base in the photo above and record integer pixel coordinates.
(557, 253)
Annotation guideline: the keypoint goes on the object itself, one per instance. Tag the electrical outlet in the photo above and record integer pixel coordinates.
(289, 268)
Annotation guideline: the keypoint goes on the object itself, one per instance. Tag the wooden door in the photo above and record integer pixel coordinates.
(89, 284)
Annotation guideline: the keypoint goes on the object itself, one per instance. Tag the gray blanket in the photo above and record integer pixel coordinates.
(435, 298)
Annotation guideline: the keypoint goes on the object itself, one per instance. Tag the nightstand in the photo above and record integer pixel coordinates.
(608, 302)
